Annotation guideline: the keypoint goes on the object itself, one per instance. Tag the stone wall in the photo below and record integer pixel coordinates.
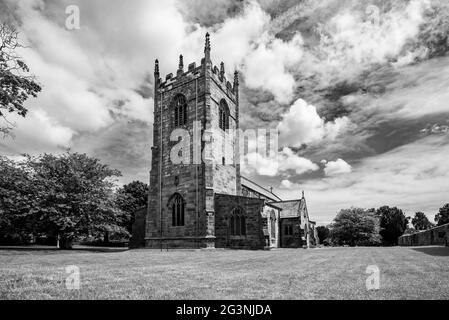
(224, 205)
(271, 217)
(294, 240)
(435, 236)
(185, 179)
(203, 87)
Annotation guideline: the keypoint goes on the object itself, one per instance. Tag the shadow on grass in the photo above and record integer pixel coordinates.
(434, 251)
(75, 248)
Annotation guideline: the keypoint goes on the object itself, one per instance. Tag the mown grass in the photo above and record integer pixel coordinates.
(325, 273)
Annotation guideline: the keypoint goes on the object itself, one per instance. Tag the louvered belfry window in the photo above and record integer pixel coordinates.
(180, 111)
(223, 120)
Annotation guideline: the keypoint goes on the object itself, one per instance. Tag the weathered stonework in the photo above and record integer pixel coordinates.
(208, 180)
(435, 236)
(196, 181)
(224, 205)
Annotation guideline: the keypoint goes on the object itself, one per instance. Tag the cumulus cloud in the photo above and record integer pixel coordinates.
(406, 177)
(360, 76)
(288, 185)
(302, 125)
(335, 168)
(266, 67)
(284, 162)
(88, 78)
(266, 62)
(436, 129)
(37, 132)
(360, 35)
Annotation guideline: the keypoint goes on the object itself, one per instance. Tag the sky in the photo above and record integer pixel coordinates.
(358, 90)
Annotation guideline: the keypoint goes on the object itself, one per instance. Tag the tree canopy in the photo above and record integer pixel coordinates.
(130, 198)
(16, 83)
(355, 226)
(17, 199)
(442, 216)
(393, 224)
(323, 233)
(421, 222)
(68, 195)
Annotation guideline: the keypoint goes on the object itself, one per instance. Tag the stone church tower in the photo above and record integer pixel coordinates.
(197, 198)
(181, 204)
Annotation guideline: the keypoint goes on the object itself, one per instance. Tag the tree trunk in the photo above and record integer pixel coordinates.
(66, 243)
(106, 237)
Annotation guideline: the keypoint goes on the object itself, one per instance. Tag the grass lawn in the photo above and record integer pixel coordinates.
(325, 273)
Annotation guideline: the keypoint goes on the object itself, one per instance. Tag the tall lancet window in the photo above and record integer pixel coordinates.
(238, 223)
(223, 120)
(180, 111)
(177, 205)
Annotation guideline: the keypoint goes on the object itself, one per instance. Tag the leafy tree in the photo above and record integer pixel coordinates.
(443, 215)
(16, 83)
(75, 194)
(393, 224)
(323, 233)
(410, 231)
(130, 198)
(421, 222)
(17, 200)
(355, 226)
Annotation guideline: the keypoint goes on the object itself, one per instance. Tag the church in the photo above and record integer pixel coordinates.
(207, 203)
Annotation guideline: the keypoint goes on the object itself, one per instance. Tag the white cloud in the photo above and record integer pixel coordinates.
(92, 73)
(413, 177)
(334, 168)
(266, 67)
(356, 38)
(266, 62)
(282, 163)
(302, 125)
(234, 39)
(37, 133)
(288, 185)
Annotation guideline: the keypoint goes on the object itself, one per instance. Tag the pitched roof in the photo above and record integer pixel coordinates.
(259, 189)
(291, 208)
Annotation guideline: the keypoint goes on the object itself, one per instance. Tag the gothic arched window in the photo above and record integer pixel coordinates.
(177, 206)
(180, 111)
(223, 120)
(238, 223)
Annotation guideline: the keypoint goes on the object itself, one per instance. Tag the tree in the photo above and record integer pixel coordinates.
(421, 222)
(16, 83)
(17, 201)
(393, 224)
(410, 231)
(323, 233)
(130, 198)
(443, 215)
(75, 196)
(355, 226)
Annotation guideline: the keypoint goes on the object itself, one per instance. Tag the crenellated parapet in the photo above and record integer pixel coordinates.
(181, 78)
(219, 77)
(194, 71)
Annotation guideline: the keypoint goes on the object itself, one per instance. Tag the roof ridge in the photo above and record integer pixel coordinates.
(261, 187)
(293, 200)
